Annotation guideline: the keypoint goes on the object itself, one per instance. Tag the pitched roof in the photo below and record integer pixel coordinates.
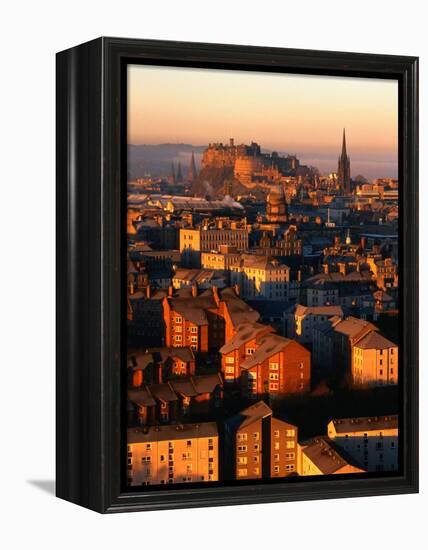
(374, 340)
(172, 432)
(269, 345)
(365, 423)
(206, 383)
(352, 326)
(239, 311)
(326, 457)
(163, 392)
(244, 333)
(254, 412)
(141, 397)
(318, 310)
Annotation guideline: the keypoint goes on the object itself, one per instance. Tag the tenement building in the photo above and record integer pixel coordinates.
(265, 363)
(173, 454)
(371, 441)
(210, 236)
(203, 321)
(321, 457)
(261, 277)
(374, 361)
(257, 445)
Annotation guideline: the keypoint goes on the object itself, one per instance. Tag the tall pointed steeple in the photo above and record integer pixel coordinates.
(192, 173)
(344, 168)
(179, 173)
(173, 177)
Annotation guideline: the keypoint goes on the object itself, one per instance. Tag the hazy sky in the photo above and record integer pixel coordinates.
(298, 114)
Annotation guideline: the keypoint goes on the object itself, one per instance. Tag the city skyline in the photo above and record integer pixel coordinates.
(296, 114)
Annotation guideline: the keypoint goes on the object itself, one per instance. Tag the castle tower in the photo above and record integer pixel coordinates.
(344, 168)
(276, 206)
(192, 173)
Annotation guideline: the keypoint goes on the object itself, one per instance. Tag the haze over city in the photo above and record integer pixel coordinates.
(296, 114)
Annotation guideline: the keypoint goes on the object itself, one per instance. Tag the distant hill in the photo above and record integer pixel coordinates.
(156, 159)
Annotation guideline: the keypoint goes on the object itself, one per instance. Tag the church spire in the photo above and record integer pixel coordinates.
(344, 144)
(173, 180)
(192, 173)
(179, 174)
(344, 168)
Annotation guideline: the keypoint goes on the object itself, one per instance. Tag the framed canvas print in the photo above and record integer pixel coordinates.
(237, 279)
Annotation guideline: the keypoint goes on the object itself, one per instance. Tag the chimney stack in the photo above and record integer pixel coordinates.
(194, 290)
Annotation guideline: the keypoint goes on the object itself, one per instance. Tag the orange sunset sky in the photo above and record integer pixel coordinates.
(298, 114)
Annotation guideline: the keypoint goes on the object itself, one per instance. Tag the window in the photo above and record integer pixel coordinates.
(290, 445)
(256, 471)
(276, 469)
(148, 447)
(256, 459)
(178, 328)
(290, 456)
(178, 337)
(162, 458)
(230, 360)
(276, 445)
(242, 460)
(276, 458)
(242, 448)
(289, 467)
(193, 338)
(273, 366)
(230, 370)
(273, 376)
(256, 447)
(242, 472)
(194, 330)
(178, 319)
(256, 436)
(194, 348)
(186, 456)
(273, 386)
(250, 351)
(290, 433)
(242, 437)
(276, 433)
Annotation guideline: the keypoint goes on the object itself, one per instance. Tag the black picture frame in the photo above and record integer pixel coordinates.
(90, 205)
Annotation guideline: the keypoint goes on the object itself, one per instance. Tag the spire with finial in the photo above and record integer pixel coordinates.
(173, 180)
(179, 174)
(192, 173)
(344, 168)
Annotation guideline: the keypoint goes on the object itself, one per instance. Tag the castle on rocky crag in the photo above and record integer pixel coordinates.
(250, 166)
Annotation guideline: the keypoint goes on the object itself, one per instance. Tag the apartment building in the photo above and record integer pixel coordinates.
(321, 457)
(261, 277)
(210, 236)
(173, 454)
(303, 321)
(374, 361)
(372, 442)
(257, 445)
(203, 321)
